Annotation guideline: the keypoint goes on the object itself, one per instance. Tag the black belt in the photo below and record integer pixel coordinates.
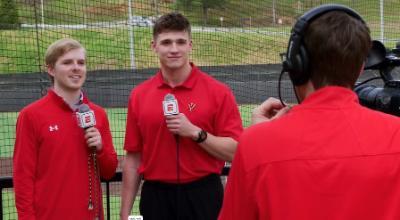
(212, 178)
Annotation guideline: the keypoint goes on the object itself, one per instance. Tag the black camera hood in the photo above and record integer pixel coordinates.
(376, 56)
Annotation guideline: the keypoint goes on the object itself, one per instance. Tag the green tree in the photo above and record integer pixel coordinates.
(185, 4)
(205, 6)
(8, 15)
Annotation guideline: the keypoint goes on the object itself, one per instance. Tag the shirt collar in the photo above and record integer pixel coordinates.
(331, 97)
(75, 106)
(188, 83)
(60, 100)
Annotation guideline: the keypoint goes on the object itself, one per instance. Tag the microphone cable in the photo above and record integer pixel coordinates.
(178, 176)
(367, 80)
(94, 183)
(279, 90)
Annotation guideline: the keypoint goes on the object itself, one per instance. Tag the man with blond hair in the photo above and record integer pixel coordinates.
(57, 164)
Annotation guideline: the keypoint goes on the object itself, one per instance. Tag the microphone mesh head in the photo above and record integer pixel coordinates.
(83, 108)
(169, 97)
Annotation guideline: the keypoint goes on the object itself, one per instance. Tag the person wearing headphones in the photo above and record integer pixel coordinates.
(328, 157)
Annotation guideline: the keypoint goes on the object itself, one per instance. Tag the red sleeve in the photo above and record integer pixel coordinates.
(238, 201)
(107, 157)
(24, 166)
(133, 140)
(228, 122)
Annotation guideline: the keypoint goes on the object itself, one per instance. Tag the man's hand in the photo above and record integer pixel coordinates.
(179, 124)
(269, 110)
(93, 138)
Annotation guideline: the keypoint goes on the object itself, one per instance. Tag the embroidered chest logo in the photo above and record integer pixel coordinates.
(191, 106)
(53, 128)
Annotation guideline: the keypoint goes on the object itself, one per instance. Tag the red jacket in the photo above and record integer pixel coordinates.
(51, 171)
(327, 159)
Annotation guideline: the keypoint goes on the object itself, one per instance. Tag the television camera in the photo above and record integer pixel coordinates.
(387, 62)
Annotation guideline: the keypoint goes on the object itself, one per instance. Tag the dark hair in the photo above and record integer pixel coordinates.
(171, 22)
(337, 45)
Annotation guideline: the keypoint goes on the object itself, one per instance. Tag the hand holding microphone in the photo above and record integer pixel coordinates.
(93, 138)
(86, 120)
(177, 122)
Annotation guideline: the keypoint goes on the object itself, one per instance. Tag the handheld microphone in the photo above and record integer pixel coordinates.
(85, 117)
(170, 105)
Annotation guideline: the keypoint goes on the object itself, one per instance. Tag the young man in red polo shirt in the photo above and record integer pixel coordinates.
(57, 164)
(179, 156)
(328, 157)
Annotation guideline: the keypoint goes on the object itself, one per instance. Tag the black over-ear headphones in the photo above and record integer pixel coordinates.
(296, 62)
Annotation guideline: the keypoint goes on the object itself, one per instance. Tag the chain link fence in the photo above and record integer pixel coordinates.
(236, 41)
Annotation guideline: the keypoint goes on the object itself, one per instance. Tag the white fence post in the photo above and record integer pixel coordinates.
(382, 22)
(131, 35)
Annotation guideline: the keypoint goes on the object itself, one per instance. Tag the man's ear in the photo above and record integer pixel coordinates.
(362, 69)
(153, 45)
(50, 70)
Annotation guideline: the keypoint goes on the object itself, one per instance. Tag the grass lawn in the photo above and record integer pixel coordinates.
(71, 11)
(108, 48)
(116, 116)
(115, 204)
(10, 212)
(7, 133)
(22, 51)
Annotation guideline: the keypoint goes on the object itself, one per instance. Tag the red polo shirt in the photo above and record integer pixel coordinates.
(206, 102)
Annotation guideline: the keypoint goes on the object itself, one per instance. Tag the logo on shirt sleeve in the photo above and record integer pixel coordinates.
(53, 128)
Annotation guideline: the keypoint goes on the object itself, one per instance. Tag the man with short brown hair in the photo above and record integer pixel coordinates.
(328, 157)
(180, 156)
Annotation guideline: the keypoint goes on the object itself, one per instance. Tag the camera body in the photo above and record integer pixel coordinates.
(387, 62)
(385, 99)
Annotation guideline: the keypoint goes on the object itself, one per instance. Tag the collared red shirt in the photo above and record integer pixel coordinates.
(206, 102)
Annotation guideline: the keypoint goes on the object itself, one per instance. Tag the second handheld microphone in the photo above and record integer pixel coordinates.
(85, 117)
(170, 105)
